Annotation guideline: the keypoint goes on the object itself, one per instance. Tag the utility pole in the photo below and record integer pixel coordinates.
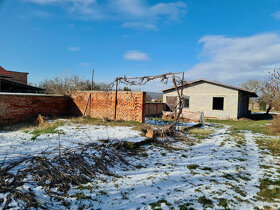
(92, 80)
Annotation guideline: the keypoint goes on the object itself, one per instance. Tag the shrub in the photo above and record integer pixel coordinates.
(275, 125)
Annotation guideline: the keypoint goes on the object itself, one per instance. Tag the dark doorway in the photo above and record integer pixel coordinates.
(171, 102)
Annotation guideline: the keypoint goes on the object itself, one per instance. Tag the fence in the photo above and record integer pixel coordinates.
(154, 109)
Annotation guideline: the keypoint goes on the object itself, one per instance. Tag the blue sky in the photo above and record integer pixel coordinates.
(223, 40)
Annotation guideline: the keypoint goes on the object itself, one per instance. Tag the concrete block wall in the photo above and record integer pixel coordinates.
(20, 107)
(201, 99)
(130, 105)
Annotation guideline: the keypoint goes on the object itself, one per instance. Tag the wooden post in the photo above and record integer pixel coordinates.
(116, 101)
(92, 79)
(86, 105)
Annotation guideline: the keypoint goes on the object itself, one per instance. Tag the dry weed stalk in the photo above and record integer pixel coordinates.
(71, 168)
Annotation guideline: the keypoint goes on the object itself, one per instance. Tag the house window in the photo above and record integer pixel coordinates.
(218, 103)
(186, 102)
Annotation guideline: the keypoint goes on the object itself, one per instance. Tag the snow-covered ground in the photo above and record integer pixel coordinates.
(220, 171)
(157, 122)
(14, 144)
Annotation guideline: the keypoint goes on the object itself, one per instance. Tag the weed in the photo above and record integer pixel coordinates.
(157, 204)
(192, 166)
(205, 202)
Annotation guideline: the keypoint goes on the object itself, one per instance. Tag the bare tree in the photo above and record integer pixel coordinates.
(178, 82)
(271, 93)
(253, 85)
(67, 83)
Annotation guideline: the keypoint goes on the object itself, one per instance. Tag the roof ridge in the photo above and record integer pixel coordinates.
(217, 83)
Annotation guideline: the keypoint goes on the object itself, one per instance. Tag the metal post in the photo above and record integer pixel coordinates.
(116, 101)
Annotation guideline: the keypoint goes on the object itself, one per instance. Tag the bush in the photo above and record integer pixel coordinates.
(275, 125)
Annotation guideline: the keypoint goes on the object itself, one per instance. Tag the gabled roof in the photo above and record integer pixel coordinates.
(250, 93)
(5, 73)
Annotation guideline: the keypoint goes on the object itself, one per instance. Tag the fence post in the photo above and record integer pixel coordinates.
(116, 101)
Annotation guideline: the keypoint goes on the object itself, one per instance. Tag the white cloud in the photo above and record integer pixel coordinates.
(236, 59)
(173, 10)
(136, 56)
(136, 14)
(140, 25)
(73, 49)
(276, 15)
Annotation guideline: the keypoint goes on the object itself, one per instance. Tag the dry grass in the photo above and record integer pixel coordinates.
(93, 121)
(275, 125)
(44, 128)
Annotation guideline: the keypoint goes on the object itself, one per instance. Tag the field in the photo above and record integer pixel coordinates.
(223, 165)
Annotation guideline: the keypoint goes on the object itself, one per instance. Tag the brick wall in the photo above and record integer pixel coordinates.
(130, 105)
(20, 107)
(20, 77)
(16, 107)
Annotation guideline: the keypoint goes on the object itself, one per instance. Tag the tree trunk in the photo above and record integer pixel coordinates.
(268, 109)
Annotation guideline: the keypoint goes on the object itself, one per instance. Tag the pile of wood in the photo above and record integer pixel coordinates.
(186, 116)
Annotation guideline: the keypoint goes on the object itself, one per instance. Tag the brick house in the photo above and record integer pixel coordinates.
(216, 100)
(13, 81)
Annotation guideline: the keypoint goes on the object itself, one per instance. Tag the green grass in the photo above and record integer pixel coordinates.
(160, 119)
(46, 128)
(269, 189)
(256, 126)
(205, 202)
(272, 144)
(199, 133)
(157, 205)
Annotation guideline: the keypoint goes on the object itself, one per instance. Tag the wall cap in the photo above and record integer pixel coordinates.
(29, 94)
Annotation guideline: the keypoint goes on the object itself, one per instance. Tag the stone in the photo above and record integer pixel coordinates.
(150, 133)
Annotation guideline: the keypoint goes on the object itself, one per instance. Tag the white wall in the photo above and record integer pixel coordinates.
(201, 99)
